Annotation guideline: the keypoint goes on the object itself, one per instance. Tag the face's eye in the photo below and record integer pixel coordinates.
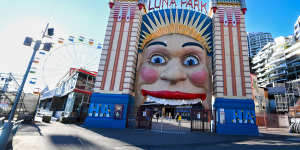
(157, 59)
(190, 60)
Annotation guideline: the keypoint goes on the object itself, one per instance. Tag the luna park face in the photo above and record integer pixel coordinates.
(173, 67)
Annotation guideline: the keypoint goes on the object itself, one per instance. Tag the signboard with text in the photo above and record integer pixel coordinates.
(196, 5)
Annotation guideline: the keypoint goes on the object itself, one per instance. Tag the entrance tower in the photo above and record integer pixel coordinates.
(231, 72)
(114, 86)
(116, 72)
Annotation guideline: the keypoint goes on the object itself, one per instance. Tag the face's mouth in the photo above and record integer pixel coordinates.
(174, 95)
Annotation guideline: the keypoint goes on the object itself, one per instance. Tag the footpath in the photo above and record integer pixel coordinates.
(58, 136)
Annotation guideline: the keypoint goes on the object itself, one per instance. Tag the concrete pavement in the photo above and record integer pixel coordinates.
(58, 136)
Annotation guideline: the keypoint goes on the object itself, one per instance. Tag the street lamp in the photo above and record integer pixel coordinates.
(7, 127)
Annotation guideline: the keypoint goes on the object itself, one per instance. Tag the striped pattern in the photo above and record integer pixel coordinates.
(126, 56)
(241, 60)
(229, 11)
(124, 6)
(223, 60)
(118, 58)
(231, 68)
(116, 61)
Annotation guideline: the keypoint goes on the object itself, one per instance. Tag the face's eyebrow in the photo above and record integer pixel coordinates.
(192, 44)
(157, 43)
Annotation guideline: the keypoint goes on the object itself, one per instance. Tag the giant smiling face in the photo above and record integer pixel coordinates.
(173, 69)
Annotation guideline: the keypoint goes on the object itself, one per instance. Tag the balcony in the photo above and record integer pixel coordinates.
(276, 61)
(278, 73)
(258, 66)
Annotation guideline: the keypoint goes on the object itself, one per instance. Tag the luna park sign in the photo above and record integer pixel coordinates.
(197, 5)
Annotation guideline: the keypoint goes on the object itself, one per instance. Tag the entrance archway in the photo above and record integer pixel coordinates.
(174, 119)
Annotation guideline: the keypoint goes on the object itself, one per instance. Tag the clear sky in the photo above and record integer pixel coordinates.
(20, 18)
(274, 16)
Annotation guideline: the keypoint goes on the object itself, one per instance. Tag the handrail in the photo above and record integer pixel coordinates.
(2, 121)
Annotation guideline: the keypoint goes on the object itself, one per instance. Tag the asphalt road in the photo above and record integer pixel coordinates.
(57, 136)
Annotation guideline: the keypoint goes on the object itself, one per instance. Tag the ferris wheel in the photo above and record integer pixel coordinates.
(73, 53)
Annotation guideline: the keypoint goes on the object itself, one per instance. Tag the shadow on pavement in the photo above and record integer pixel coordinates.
(145, 139)
(73, 142)
(30, 128)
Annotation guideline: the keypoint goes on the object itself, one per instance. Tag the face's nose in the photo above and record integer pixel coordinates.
(173, 72)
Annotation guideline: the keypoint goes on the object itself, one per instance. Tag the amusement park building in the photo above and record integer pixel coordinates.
(71, 96)
(256, 41)
(136, 77)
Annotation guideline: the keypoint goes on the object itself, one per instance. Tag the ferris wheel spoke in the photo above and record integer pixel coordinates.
(76, 55)
(70, 55)
(93, 61)
(62, 55)
(83, 53)
(61, 60)
(67, 57)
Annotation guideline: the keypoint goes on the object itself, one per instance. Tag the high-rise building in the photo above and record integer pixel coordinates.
(297, 29)
(277, 62)
(256, 41)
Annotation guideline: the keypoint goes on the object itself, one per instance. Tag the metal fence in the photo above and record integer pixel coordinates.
(201, 120)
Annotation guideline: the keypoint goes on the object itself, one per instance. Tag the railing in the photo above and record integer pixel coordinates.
(294, 114)
(1, 121)
(8, 97)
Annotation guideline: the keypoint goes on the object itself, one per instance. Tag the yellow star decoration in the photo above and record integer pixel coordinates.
(176, 25)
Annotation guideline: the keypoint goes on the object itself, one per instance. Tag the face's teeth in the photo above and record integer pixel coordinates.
(171, 101)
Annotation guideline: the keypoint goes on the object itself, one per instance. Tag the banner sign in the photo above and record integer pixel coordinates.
(196, 5)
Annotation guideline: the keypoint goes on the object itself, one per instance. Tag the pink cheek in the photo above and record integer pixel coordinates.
(149, 75)
(199, 77)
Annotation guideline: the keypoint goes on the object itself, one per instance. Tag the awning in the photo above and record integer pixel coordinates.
(48, 94)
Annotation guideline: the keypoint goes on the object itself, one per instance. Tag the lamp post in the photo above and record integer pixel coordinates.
(7, 127)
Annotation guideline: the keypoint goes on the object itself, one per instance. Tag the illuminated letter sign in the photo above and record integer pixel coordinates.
(197, 5)
(165, 3)
(172, 3)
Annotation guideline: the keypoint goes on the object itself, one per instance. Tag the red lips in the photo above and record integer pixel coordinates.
(176, 95)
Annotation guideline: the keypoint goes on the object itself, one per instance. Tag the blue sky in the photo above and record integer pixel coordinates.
(20, 18)
(274, 16)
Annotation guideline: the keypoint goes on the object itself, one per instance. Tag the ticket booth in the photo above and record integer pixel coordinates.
(108, 110)
(235, 117)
